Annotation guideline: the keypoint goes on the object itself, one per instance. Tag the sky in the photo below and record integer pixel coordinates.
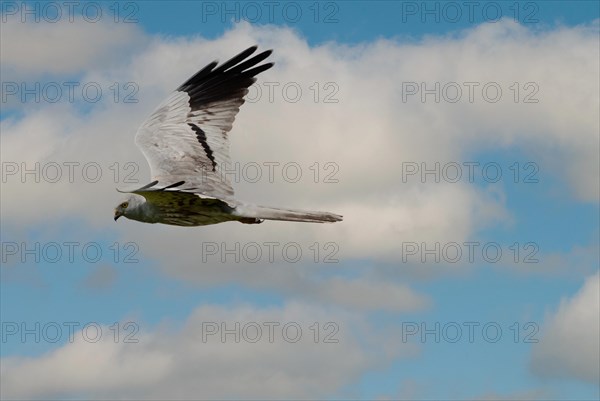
(459, 140)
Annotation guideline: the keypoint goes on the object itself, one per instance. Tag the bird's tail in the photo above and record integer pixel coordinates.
(271, 213)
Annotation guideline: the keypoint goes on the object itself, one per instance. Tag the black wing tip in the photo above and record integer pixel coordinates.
(232, 63)
(215, 81)
(264, 67)
(147, 186)
(242, 61)
(175, 185)
(254, 48)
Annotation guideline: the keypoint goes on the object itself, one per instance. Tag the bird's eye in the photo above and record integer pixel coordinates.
(124, 205)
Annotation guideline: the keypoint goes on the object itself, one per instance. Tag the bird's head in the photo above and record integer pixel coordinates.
(128, 207)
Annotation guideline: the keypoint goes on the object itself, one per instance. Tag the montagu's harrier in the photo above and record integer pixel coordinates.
(186, 140)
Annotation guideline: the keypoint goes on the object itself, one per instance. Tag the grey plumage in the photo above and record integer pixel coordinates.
(185, 142)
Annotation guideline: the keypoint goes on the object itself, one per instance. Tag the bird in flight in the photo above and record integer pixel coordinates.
(186, 141)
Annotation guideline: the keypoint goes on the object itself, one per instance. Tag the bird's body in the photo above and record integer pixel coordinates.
(180, 209)
(186, 143)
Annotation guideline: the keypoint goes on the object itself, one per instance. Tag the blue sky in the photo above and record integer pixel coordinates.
(163, 281)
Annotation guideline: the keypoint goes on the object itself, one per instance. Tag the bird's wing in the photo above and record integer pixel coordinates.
(186, 138)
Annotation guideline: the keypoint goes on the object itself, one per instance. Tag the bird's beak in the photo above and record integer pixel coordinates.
(117, 215)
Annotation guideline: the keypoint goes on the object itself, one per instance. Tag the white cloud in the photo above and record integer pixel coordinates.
(33, 49)
(361, 294)
(190, 363)
(211, 259)
(569, 344)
